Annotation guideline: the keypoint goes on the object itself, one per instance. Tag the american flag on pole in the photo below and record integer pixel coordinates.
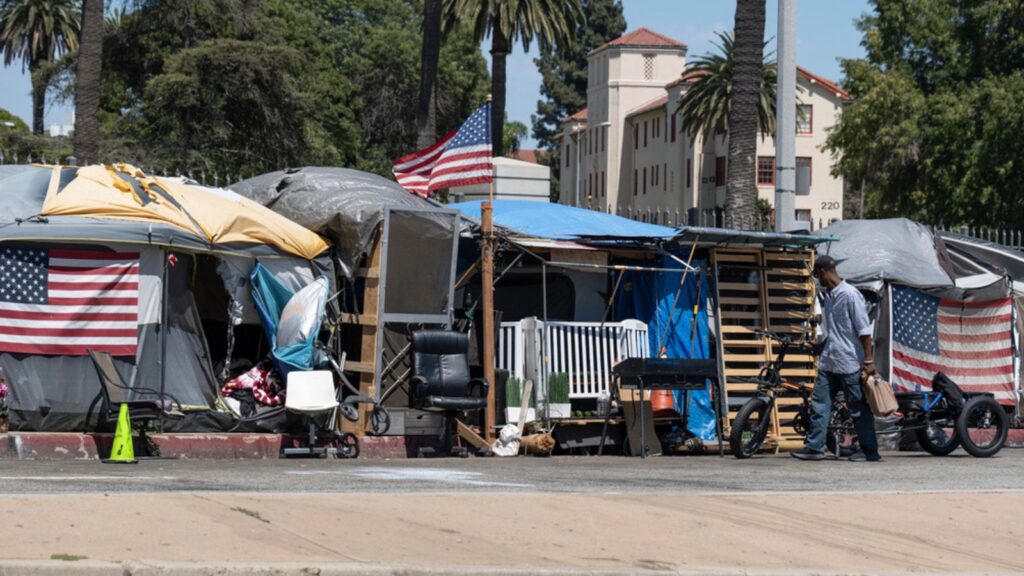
(972, 342)
(462, 157)
(65, 302)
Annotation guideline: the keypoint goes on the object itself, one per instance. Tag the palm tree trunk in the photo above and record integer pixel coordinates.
(499, 53)
(748, 57)
(38, 100)
(426, 113)
(87, 89)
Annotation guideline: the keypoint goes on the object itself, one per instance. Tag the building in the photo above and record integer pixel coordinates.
(627, 151)
(513, 180)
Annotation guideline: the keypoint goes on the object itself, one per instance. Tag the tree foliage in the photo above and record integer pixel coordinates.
(564, 75)
(934, 132)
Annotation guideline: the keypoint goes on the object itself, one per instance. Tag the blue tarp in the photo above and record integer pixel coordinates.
(271, 297)
(648, 297)
(559, 222)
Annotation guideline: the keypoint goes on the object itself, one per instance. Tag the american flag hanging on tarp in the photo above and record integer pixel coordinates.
(972, 342)
(461, 158)
(65, 302)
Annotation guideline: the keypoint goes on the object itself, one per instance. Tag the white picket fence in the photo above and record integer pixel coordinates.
(585, 351)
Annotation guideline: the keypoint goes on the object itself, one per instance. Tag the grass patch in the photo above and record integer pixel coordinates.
(251, 513)
(67, 557)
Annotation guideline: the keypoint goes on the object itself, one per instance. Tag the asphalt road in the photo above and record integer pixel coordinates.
(899, 472)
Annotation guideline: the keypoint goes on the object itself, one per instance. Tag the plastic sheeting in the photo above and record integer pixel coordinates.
(649, 297)
(557, 221)
(872, 252)
(290, 319)
(343, 204)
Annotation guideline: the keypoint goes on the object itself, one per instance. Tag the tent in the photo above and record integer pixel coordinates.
(936, 308)
(106, 257)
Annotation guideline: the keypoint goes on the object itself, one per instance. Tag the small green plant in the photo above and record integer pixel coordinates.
(251, 513)
(67, 557)
(558, 388)
(513, 392)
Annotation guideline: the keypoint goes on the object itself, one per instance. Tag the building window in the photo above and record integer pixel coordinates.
(664, 171)
(604, 134)
(634, 182)
(590, 186)
(604, 185)
(673, 127)
(803, 216)
(766, 170)
(645, 133)
(806, 161)
(568, 147)
(636, 136)
(804, 118)
(720, 171)
(645, 180)
(648, 66)
(689, 173)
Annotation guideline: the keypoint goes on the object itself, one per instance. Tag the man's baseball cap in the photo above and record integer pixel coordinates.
(824, 262)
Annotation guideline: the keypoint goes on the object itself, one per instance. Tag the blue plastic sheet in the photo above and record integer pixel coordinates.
(649, 297)
(559, 222)
(271, 298)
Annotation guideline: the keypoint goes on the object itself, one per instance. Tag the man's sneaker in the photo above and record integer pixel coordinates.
(862, 457)
(807, 454)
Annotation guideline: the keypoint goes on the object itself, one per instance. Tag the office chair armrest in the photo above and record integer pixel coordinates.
(478, 384)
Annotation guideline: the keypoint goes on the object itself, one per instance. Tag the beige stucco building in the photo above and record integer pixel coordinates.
(627, 151)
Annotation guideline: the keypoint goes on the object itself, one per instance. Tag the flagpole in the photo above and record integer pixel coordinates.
(487, 290)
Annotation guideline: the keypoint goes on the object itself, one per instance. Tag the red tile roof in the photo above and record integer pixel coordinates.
(641, 37)
(824, 83)
(580, 116)
(649, 106)
(531, 156)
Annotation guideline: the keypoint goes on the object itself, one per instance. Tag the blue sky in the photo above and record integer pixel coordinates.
(825, 33)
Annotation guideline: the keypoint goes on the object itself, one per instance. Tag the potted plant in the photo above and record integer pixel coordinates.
(514, 399)
(558, 396)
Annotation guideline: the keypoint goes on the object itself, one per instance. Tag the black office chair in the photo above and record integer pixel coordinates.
(140, 412)
(441, 380)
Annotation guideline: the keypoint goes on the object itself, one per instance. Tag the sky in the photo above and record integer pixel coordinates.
(826, 33)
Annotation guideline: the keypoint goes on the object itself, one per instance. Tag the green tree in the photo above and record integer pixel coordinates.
(748, 59)
(11, 123)
(706, 103)
(512, 135)
(430, 52)
(934, 129)
(36, 32)
(564, 73)
(550, 22)
(87, 87)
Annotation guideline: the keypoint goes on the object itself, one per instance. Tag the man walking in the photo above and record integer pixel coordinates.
(848, 350)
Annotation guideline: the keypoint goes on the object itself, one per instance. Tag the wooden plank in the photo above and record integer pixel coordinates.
(788, 272)
(792, 300)
(794, 372)
(368, 353)
(738, 286)
(369, 272)
(739, 315)
(361, 319)
(739, 301)
(783, 285)
(467, 434)
(745, 358)
(793, 314)
(786, 256)
(361, 367)
(737, 330)
(751, 343)
(744, 258)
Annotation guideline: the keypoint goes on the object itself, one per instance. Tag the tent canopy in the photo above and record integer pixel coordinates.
(121, 203)
(559, 222)
(872, 252)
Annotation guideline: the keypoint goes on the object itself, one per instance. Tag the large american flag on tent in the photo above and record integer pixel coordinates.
(461, 158)
(65, 302)
(972, 342)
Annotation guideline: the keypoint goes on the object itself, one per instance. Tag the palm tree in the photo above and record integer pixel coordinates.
(550, 22)
(748, 58)
(87, 89)
(36, 32)
(430, 53)
(705, 105)
(512, 135)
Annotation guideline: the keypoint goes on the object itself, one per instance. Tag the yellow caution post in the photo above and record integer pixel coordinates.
(122, 452)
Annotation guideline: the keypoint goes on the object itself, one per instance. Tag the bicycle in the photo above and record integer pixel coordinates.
(942, 419)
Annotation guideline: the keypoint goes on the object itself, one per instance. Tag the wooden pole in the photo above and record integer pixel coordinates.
(487, 290)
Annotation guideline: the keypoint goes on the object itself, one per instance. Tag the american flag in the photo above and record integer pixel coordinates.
(972, 342)
(462, 157)
(65, 302)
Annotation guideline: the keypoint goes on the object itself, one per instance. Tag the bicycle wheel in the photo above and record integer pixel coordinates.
(840, 438)
(982, 426)
(936, 440)
(750, 427)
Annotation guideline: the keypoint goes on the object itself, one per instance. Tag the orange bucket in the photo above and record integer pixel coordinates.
(663, 403)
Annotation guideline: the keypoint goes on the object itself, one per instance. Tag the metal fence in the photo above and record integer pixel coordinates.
(1009, 238)
(708, 218)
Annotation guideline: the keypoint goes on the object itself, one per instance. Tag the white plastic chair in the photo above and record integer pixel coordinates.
(310, 394)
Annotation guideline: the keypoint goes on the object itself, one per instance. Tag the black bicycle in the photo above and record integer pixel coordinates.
(942, 419)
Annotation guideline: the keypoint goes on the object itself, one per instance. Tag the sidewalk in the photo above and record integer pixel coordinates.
(493, 533)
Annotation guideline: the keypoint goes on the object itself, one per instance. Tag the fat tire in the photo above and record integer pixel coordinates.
(925, 441)
(999, 421)
(736, 444)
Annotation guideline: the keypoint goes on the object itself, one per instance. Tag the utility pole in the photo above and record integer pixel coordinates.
(785, 120)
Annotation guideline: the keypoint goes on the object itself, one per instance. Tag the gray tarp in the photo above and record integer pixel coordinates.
(871, 252)
(343, 204)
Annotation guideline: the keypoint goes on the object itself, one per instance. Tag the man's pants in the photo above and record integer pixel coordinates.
(825, 389)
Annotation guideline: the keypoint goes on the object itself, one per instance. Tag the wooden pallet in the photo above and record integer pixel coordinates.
(769, 289)
(366, 365)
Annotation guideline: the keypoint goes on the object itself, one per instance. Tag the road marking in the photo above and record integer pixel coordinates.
(441, 475)
(86, 478)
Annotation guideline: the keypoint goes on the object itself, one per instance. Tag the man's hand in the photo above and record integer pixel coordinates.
(869, 369)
